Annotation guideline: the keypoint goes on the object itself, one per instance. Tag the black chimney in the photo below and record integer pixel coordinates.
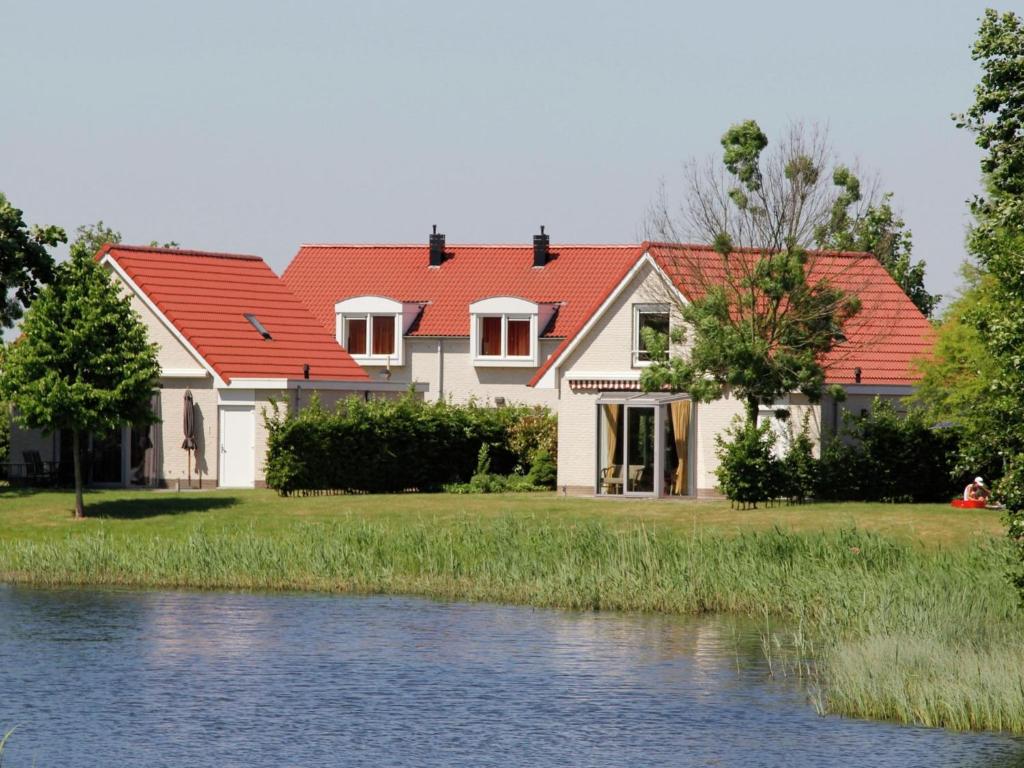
(856, 375)
(436, 248)
(540, 248)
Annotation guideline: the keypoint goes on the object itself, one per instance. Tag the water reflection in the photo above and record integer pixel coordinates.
(101, 678)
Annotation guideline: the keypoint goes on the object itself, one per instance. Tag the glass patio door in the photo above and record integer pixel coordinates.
(644, 444)
(641, 436)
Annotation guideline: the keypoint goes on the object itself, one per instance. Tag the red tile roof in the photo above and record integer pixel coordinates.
(206, 295)
(578, 277)
(883, 338)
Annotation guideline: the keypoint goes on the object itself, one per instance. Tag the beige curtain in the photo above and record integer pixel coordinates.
(612, 417)
(680, 411)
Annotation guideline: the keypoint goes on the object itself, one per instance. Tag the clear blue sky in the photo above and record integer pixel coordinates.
(256, 126)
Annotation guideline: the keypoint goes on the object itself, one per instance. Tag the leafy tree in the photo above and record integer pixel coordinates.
(956, 375)
(879, 230)
(84, 363)
(5, 416)
(95, 236)
(25, 264)
(759, 324)
(997, 242)
(92, 237)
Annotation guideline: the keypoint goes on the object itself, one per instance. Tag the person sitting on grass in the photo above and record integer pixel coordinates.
(976, 491)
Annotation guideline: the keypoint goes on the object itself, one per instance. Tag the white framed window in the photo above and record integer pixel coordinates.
(370, 328)
(505, 336)
(657, 318)
(371, 336)
(504, 332)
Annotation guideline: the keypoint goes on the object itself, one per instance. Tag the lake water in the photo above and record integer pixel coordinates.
(124, 678)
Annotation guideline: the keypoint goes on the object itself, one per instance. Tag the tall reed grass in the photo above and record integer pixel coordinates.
(887, 628)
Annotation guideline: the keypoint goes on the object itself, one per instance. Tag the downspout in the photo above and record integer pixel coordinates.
(440, 369)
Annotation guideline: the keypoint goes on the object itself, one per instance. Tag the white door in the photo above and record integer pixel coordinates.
(237, 446)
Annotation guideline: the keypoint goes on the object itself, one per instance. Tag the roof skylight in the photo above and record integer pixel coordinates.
(255, 322)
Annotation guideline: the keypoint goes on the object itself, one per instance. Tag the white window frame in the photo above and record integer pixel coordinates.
(648, 309)
(507, 308)
(366, 308)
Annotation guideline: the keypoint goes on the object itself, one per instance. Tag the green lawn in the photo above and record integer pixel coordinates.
(44, 514)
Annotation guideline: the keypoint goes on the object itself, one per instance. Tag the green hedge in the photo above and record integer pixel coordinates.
(886, 456)
(385, 446)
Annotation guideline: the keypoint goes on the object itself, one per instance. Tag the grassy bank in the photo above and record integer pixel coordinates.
(897, 618)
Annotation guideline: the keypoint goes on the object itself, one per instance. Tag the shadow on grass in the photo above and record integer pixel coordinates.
(153, 505)
(17, 491)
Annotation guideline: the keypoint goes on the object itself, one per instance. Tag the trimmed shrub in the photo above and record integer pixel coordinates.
(748, 472)
(798, 469)
(392, 445)
(531, 432)
(544, 472)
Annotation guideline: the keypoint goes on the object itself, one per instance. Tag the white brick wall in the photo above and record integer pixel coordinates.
(172, 353)
(608, 346)
(607, 349)
(577, 440)
(173, 459)
(462, 380)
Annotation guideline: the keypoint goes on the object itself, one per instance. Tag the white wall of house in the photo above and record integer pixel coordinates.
(577, 441)
(173, 460)
(173, 354)
(712, 419)
(445, 363)
(605, 351)
(608, 345)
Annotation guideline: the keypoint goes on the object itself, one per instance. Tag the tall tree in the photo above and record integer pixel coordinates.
(956, 376)
(92, 237)
(997, 240)
(760, 319)
(25, 264)
(880, 230)
(5, 415)
(84, 363)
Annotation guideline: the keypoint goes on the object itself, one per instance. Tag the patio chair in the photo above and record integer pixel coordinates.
(639, 477)
(37, 471)
(611, 479)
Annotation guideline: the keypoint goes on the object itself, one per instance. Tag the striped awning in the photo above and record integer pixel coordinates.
(605, 385)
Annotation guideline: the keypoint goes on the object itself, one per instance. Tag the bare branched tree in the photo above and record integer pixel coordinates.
(764, 305)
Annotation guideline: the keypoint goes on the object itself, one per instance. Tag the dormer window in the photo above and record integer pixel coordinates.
(369, 335)
(505, 336)
(505, 331)
(370, 328)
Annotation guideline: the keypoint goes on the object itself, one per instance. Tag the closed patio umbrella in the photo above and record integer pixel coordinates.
(189, 443)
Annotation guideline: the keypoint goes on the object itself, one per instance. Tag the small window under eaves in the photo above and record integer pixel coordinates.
(260, 328)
